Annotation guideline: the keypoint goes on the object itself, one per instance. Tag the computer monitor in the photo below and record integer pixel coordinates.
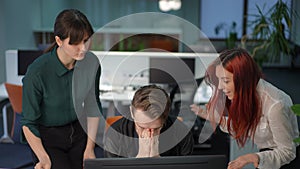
(25, 58)
(170, 162)
(171, 70)
(17, 62)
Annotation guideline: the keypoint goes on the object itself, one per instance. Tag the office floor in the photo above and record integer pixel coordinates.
(285, 79)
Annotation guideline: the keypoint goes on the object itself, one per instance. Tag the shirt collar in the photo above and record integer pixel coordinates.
(260, 85)
(59, 68)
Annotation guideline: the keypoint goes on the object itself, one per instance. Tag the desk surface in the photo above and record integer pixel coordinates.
(113, 95)
(125, 95)
(202, 95)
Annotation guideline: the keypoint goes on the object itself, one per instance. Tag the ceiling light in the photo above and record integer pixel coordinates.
(167, 5)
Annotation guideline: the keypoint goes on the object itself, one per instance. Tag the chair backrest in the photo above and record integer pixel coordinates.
(187, 85)
(15, 96)
(110, 120)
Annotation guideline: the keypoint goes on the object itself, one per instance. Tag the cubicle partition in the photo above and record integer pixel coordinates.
(133, 68)
(122, 72)
(117, 67)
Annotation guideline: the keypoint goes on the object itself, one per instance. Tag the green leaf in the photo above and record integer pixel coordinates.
(296, 109)
(297, 140)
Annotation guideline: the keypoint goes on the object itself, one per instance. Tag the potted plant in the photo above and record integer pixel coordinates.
(230, 33)
(270, 44)
(296, 110)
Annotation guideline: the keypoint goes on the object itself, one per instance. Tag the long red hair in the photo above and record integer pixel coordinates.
(244, 110)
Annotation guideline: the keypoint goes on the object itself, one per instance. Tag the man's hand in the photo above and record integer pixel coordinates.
(154, 142)
(148, 142)
(144, 143)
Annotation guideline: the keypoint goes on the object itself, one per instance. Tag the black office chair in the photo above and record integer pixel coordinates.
(176, 89)
(189, 89)
(218, 142)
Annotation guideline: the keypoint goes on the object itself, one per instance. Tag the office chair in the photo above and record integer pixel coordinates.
(110, 120)
(189, 89)
(5, 138)
(15, 155)
(176, 89)
(15, 98)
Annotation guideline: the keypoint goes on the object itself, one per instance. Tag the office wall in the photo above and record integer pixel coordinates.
(16, 27)
(17, 20)
(2, 45)
(20, 18)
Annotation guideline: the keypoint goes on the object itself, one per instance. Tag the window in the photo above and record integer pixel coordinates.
(217, 12)
(223, 13)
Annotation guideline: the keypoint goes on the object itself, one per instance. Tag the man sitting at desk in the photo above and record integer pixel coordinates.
(150, 132)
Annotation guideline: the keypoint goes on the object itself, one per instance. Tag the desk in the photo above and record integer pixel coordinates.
(119, 96)
(117, 99)
(116, 96)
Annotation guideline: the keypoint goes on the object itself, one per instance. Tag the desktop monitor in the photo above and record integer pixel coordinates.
(17, 62)
(170, 162)
(171, 70)
(25, 58)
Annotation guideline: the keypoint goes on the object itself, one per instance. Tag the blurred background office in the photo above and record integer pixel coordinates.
(28, 25)
(22, 20)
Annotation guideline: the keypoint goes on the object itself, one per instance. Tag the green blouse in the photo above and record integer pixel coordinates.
(56, 96)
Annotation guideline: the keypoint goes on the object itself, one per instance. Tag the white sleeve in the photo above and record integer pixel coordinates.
(279, 120)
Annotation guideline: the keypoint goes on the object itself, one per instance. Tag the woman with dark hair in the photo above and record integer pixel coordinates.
(248, 107)
(61, 97)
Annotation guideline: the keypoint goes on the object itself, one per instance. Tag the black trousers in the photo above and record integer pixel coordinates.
(65, 145)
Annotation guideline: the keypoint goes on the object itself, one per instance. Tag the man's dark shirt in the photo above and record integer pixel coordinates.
(121, 139)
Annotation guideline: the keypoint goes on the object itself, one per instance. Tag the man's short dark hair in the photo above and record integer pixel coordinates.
(153, 100)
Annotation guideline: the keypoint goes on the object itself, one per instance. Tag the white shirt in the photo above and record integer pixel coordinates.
(277, 128)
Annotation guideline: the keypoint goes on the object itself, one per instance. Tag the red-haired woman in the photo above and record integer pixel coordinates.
(250, 108)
